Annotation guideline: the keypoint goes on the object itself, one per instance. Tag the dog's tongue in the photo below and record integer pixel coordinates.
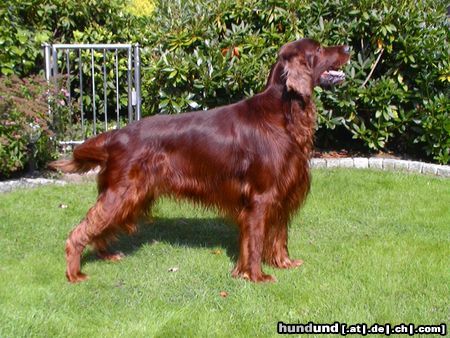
(331, 77)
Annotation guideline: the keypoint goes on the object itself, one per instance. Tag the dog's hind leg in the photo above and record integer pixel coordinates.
(101, 242)
(75, 244)
(95, 222)
(115, 210)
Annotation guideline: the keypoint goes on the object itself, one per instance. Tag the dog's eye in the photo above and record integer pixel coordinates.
(319, 49)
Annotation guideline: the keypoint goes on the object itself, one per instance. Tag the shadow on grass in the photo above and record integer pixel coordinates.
(189, 232)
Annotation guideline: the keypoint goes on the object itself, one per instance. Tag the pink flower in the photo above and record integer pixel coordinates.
(65, 92)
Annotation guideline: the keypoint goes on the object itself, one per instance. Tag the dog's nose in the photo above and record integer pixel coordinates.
(347, 49)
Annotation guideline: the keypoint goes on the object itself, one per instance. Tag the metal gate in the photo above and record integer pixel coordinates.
(58, 64)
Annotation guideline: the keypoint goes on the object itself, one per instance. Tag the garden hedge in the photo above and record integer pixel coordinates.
(198, 54)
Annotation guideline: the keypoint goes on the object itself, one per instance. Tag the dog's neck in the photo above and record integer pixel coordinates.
(301, 123)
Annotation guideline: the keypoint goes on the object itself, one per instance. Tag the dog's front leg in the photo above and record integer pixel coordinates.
(252, 223)
(275, 252)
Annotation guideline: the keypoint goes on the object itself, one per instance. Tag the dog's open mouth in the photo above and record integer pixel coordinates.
(331, 77)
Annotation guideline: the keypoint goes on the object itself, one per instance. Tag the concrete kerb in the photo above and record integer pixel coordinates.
(7, 186)
(387, 164)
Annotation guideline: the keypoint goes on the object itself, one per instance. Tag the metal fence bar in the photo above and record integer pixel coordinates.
(80, 68)
(48, 68)
(137, 80)
(55, 61)
(48, 72)
(117, 87)
(69, 97)
(94, 117)
(55, 74)
(130, 107)
(105, 100)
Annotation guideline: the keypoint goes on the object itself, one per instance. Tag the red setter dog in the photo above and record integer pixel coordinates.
(248, 159)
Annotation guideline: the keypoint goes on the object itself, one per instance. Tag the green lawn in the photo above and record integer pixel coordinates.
(376, 247)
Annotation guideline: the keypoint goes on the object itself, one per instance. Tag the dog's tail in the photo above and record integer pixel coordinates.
(86, 156)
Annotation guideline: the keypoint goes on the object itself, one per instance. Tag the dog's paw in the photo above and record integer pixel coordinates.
(77, 277)
(253, 277)
(294, 263)
(290, 263)
(285, 263)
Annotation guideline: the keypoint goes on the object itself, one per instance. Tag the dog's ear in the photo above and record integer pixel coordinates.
(299, 77)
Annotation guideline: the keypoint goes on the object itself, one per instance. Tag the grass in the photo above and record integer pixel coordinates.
(375, 245)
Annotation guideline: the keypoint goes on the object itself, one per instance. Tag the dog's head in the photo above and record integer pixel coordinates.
(306, 64)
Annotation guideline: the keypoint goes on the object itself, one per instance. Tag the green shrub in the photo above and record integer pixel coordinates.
(432, 128)
(24, 122)
(141, 7)
(207, 53)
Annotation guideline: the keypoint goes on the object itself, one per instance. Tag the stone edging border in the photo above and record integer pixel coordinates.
(11, 185)
(387, 164)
